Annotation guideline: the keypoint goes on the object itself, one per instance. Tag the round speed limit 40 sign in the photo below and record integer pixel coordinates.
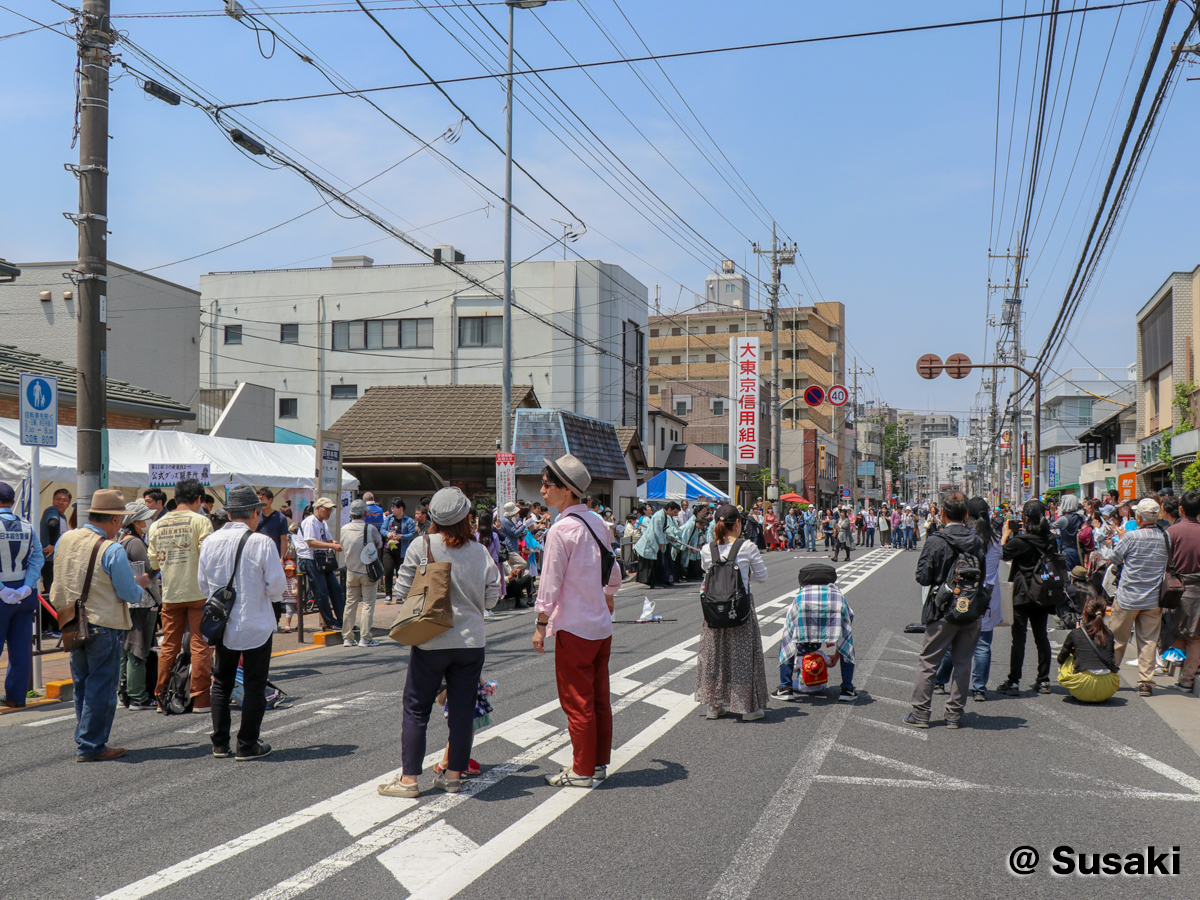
(838, 395)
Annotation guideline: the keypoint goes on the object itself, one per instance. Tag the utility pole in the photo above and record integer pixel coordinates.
(780, 256)
(91, 275)
(855, 372)
(1011, 317)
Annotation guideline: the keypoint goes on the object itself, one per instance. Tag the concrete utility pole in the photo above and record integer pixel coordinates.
(855, 372)
(780, 256)
(94, 41)
(1011, 316)
(506, 375)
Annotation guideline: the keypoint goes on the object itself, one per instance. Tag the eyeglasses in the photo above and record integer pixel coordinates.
(548, 484)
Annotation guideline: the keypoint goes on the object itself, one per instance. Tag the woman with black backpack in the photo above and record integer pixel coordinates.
(730, 673)
(1031, 552)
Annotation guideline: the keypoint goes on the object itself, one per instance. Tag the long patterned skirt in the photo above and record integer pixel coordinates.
(730, 671)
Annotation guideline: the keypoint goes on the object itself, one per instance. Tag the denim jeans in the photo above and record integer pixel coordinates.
(870, 537)
(325, 588)
(96, 669)
(810, 537)
(847, 669)
(906, 539)
(981, 667)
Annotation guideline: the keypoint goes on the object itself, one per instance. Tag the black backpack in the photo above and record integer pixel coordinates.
(1047, 583)
(963, 598)
(723, 598)
(176, 698)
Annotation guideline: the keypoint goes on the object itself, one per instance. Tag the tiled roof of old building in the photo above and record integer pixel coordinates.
(541, 434)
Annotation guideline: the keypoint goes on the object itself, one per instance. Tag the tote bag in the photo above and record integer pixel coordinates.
(425, 612)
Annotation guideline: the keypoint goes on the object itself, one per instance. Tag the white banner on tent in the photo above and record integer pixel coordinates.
(170, 474)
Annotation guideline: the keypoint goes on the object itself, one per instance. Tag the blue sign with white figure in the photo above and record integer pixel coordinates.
(39, 411)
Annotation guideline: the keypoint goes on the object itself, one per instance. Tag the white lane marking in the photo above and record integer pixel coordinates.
(528, 732)
(906, 768)
(417, 861)
(887, 680)
(666, 698)
(902, 650)
(40, 722)
(321, 716)
(740, 878)
(1004, 789)
(619, 686)
(899, 665)
(467, 870)
(271, 714)
(905, 730)
(902, 639)
(1118, 749)
(879, 698)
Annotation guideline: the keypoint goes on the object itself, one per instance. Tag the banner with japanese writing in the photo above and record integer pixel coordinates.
(744, 356)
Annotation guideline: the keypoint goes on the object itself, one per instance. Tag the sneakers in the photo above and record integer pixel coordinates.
(1042, 687)
(979, 696)
(782, 693)
(148, 704)
(912, 720)
(1009, 687)
(349, 642)
(1145, 689)
(370, 642)
(952, 724)
(568, 778)
(257, 752)
(600, 774)
(222, 752)
(716, 712)
(449, 785)
(847, 695)
(1180, 686)
(201, 710)
(754, 716)
(939, 688)
(396, 788)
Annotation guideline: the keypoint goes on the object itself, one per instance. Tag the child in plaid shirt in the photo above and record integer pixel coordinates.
(819, 617)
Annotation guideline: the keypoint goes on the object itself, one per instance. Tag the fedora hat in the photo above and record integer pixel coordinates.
(243, 500)
(571, 472)
(108, 503)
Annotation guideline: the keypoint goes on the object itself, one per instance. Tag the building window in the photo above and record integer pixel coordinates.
(733, 329)
(787, 413)
(480, 331)
(802, 354)
(710, 329)
(382, 334)
(833, 335)
(654, 388)
(676, 360)
(767, 356)
(718, 407)
(710, 358)
(289, 408)
(675, 332)
(694, 358)
(680, 410)
(289, 334)
(654, 360)
(721, 450)
(787, 384)
(343, 392)
(731, 289)
(653, 332)
(233, 334)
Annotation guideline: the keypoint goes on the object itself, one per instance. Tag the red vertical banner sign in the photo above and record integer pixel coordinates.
(745, 368)
(506, 478)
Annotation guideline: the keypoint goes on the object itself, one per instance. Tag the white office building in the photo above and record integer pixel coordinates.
(320, 337)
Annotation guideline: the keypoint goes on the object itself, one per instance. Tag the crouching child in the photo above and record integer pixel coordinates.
(818, 622)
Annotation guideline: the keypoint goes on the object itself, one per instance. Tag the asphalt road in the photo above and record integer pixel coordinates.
(819, 799)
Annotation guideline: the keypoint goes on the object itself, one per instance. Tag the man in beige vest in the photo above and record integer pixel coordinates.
(96, 666)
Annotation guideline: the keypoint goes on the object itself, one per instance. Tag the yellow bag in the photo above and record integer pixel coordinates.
(426, 611)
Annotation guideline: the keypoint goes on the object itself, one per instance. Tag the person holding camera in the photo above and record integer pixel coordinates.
(1024, 546)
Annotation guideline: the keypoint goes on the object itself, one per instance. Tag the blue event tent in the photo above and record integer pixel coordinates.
(672, 485)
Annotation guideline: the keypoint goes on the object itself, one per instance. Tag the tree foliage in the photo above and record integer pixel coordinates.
(895, 443)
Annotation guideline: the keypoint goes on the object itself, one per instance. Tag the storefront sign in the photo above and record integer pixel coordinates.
(744, 352)
(1052, 470)
(1127, 485)
(506, 478)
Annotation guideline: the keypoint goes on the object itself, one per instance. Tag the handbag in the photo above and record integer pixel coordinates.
(426, 611)
(369, 556)
(1170, 591)
(325, 558)
(216, 611)
(76, 631)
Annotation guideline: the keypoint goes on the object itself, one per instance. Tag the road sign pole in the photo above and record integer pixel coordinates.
(35, 489)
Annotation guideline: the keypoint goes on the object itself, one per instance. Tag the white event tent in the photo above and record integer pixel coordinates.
(130, 453)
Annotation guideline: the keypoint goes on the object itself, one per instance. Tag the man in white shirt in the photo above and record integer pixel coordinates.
(683, 515)
(326, 588)
(259, 581)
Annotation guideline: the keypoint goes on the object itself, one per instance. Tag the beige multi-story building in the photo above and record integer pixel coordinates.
(689, 361)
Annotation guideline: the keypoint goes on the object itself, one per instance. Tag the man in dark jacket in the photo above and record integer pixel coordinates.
(1024, 550)
(933, 570)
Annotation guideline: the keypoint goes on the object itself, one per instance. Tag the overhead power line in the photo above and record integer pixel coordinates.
(683, 54)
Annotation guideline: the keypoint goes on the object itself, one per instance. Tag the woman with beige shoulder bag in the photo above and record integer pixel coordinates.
(455, 655)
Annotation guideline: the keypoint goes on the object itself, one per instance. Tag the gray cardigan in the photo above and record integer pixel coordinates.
(475, 585)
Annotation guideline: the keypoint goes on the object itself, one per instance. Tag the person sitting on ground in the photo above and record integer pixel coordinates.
(1086, 665)
(518, 583)
(818, 617)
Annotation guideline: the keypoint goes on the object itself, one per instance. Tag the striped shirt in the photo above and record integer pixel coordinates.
(1142, 555)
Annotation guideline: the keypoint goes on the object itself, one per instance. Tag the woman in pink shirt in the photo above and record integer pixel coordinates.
(574, 606)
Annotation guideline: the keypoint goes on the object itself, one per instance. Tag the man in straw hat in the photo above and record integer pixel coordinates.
(96, 666)
(258, 583)
(574, 606)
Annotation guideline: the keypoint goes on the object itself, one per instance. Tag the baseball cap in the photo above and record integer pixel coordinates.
(323, 502)
(1148, 509)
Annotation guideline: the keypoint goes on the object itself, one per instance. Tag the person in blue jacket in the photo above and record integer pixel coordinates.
(21, 562)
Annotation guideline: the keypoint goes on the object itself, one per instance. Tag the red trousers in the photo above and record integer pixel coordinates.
(581, 668)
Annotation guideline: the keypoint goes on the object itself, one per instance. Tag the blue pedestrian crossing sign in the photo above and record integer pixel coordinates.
(39, 411)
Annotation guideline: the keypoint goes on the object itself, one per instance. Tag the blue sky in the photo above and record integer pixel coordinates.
(878, 155)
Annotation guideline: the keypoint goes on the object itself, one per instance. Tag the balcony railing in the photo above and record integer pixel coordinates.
(212, 403)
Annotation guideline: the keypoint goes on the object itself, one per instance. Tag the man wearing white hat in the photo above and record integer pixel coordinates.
(89, 558)
(1143, 555)
(512, 529)
(574, 606)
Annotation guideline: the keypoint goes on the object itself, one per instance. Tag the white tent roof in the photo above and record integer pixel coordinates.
(131, 452)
